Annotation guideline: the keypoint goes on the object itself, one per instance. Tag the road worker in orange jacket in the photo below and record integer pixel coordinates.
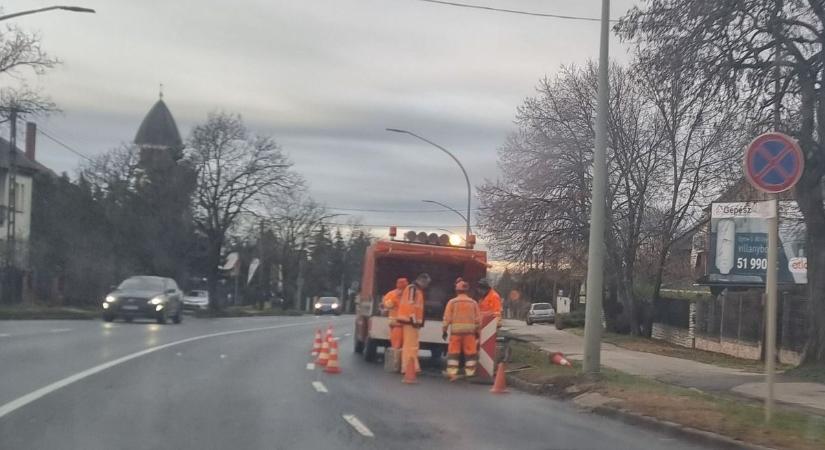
(390, 302)
(463, 317)
(411, 317)
(490, 302)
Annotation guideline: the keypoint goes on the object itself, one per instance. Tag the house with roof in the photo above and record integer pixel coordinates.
(26, 168)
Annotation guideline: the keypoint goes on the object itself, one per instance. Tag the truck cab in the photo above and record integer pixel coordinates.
(387, 260)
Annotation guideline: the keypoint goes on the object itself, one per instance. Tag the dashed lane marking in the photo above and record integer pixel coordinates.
(59, 330)
(223, 356)
(310, 366)
(358, 425)
(24, 400)
(319, 387)
(2, 335)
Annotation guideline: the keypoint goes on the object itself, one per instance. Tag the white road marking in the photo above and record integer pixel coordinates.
(310, 366)
(59, 330)
(178, 354)
(4, 335)
(223, 356)
(358, 425)
(347, 334)
(319, 387)
(34, 395)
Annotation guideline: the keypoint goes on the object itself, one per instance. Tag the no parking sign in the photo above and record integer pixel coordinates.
(774, 162)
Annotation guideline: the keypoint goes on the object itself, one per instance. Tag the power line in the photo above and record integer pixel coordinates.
(514, 11)
(396, 210)
(62, 144)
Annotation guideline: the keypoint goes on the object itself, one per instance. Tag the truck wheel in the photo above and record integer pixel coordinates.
(370, 350)
(359, 344)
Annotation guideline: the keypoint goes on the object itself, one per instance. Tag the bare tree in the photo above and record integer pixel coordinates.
(540, 209)
(733, 47)
(237, 171)
(22, 54)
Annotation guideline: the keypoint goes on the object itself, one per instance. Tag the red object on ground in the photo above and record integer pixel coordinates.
(316, 345)
(332, 363)
(324, 356)
(500, 386)
(558, 358)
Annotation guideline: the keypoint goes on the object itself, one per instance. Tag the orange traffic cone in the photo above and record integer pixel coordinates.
(409, 372)
(558, 358)
(500, 385)
(329, 336)
(332, 363)
(316, 345)
(323, 357)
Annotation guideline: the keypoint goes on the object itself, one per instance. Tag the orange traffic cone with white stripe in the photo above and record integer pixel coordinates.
(500, 385)
(323, 357)
(332, 363)
(329, 336)
(409, 372)
(558, 358)
(316, 345)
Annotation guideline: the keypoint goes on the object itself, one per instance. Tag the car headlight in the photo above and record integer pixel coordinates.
(111, 298)
(157, 300)
(105, 305)
(335, 306)
(317, 305)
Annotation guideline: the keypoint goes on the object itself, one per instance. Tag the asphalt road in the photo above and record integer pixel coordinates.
(211, 384)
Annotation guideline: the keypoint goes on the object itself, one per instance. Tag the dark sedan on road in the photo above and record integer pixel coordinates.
(328, 305)
(147, 297)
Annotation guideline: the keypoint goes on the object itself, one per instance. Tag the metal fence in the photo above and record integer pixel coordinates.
(739, 316)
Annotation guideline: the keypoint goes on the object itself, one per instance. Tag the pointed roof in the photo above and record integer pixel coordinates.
(158, 129)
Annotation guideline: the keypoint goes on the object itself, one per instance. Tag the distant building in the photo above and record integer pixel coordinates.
(158, 138)
(27, 168)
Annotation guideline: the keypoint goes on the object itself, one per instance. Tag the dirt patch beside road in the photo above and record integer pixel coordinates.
(730, 416)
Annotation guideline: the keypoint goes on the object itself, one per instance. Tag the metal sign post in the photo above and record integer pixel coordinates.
(773, 164)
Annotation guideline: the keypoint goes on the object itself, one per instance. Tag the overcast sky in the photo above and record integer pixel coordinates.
(324, 77)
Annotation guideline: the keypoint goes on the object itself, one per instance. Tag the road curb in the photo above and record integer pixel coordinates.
(706, 438)
(694, 435)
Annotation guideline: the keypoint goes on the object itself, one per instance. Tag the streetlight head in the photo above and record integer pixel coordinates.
(77, 9)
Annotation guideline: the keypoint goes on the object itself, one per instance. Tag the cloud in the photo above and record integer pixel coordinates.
(323, 77)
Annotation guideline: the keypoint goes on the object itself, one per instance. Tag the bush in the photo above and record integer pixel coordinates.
(573, 319)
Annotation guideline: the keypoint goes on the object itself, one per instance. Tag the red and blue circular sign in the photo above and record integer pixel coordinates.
(774, 162)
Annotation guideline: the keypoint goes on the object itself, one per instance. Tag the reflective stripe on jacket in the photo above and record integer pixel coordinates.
(462, 315)
(411, 305)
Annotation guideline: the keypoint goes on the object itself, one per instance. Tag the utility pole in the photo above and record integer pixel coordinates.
(11, 205)
(596, 248)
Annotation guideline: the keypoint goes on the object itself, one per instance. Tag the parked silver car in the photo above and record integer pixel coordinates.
(541, 313)
(196, 299)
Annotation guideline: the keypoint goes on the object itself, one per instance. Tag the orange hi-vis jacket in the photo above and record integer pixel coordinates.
(391, 300)
(411, 306)
(491, 303)
(462, 315)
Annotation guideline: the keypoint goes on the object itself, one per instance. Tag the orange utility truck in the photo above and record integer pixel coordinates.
(387, 260)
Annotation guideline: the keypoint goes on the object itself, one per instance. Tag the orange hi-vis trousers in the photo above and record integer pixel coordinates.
(466, 344)
(396, 336)
(409, 348)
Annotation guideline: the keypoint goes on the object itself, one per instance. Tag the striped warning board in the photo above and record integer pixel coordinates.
(487, 347)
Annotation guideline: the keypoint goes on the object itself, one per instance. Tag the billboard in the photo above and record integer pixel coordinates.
(738, 251)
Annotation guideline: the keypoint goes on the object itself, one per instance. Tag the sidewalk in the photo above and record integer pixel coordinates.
(682, 372)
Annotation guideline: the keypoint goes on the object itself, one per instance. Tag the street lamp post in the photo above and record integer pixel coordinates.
(463, 218)
(48, 8)
(461, 166)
